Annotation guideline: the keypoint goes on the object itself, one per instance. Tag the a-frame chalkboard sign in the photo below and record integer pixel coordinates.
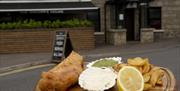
(62, 46)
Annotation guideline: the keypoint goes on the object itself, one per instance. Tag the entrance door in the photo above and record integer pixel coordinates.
(129, 23)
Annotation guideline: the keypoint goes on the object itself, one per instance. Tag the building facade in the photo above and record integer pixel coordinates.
(160, 16)
(41, 10)
(170, 16)
(131, 16)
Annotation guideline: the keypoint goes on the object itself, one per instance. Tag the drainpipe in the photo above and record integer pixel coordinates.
(105, 28)
(143, 13)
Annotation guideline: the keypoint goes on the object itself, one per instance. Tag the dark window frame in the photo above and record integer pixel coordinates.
(155, 21)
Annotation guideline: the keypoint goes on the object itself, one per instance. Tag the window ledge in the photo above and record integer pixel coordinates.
(158, 30)
(98, 33)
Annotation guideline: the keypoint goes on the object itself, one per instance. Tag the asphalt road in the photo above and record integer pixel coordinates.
(25, 81)
(22, 81)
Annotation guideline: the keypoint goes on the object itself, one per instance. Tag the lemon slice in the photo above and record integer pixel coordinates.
(130, 79)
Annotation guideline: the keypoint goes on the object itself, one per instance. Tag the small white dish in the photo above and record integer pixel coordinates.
(97, 79)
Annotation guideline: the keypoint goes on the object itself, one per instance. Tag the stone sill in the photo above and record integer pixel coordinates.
(158, 31)
(98, 33)
(117, 30)
(147, 29)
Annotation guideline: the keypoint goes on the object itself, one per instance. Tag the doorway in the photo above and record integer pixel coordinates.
(129, 23)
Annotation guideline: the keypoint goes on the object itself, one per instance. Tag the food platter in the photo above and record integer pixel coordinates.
(49, 81)
(169, 83)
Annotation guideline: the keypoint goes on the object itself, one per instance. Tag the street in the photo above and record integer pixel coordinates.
(22, 81)
(26, 81)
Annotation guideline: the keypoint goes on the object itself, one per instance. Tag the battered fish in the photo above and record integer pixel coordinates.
(63, 75)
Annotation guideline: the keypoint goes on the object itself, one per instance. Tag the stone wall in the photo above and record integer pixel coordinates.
(116, 37)
(99, 38)
(100, 4)
(147, 35)
(170, 17)
(37, 40)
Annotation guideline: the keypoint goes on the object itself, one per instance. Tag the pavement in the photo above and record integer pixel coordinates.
(9, 62)
(131, 48)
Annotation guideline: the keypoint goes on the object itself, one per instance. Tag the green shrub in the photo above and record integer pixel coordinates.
(9, 25)
(46, 24)
(3, 26)
(18, 25)
(29, 24)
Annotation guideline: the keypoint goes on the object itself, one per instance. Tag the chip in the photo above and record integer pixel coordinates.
(152, 75)
(157, 74)
(136, 61)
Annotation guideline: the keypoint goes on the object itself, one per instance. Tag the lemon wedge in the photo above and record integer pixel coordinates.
(130, 79)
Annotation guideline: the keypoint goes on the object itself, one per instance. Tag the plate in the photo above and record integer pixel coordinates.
(169, 83)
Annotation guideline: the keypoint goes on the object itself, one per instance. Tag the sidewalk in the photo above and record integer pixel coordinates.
(15, 61)
(129, 48)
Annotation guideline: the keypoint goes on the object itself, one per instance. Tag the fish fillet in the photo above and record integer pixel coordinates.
(63, 75)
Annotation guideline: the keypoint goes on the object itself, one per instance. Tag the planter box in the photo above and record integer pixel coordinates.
(41, 40)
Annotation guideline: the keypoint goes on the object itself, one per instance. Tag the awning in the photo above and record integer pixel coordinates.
(46, 6)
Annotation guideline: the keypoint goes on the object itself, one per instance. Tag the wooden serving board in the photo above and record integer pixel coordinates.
(169, 83)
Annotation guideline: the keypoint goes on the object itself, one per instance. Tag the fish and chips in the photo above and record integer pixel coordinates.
(67, 73)
(62, 76)
(152, 75)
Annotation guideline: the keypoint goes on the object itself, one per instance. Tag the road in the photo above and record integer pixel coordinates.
(21, 81)
(26, 80)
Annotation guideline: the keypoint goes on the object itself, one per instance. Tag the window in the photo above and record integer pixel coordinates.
(154, 19)
(94, 17)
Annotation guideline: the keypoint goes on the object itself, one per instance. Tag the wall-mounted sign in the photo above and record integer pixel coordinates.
(56, 11)
(121, 16)
(143, 4)
(132, 5)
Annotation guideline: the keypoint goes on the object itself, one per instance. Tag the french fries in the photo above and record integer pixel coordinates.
(136, 61)
(117, 67)
(146, 77)
(147, 86)
(152, 75)
(155, 76)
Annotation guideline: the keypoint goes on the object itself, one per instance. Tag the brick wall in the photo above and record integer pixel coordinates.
(18, 41)
(28, 41)
(170, 16)
(82, 39)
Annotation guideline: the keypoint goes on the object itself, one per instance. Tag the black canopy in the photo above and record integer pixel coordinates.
(40, 6)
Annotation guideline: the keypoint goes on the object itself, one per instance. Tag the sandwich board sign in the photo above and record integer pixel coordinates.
(62, 46)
